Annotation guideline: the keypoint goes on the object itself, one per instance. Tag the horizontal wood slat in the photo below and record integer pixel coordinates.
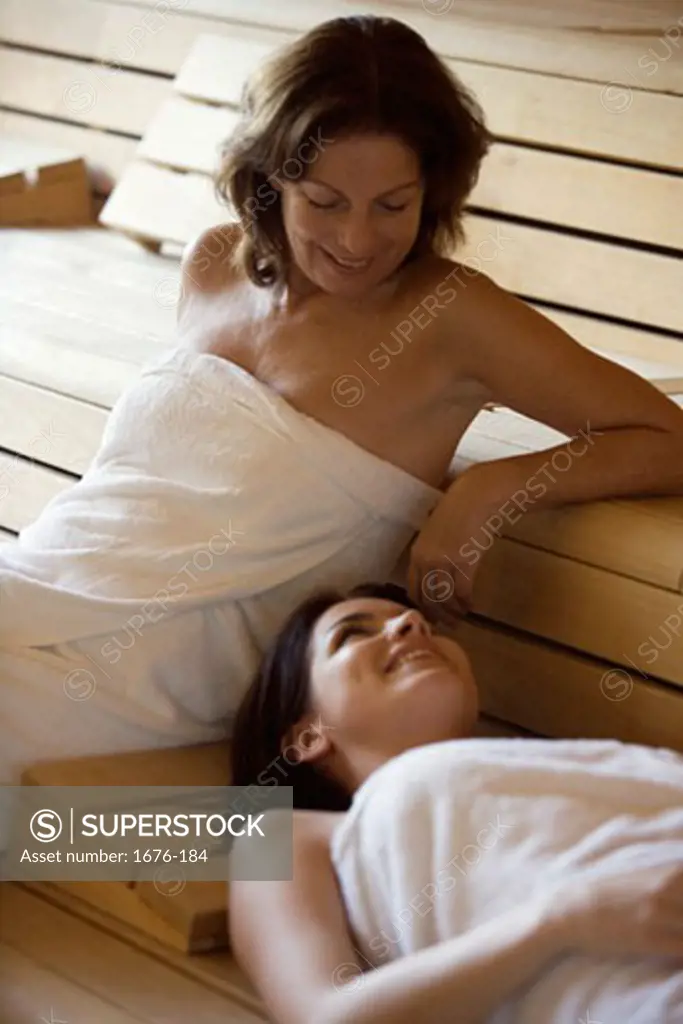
(36, 356)
(628, 125)
(583, 15)
(518, 105)
(217, 67)
(565, 695)
(136, 35)
(186, 135)
(585, 195)
(583, 607)
(619, 57)
(51, 428)
(25, 490)
(29, 989)
(156, 203)
(123, 967)
(571, 271)
(133, 36)
(87, 296)
(89, 94)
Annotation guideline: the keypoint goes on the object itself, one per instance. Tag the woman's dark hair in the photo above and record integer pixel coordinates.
(350, 75)
(279, 695)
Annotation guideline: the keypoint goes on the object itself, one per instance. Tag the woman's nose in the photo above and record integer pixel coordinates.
(355, 239)
(411, 620)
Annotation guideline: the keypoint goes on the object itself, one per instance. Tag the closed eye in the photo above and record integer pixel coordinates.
(322, 206)
(331, 206)
(347, 631)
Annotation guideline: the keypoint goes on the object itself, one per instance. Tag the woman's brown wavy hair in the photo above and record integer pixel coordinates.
(347, 76)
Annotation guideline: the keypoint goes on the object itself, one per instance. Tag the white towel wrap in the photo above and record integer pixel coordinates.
(451, 834)
(133, 612)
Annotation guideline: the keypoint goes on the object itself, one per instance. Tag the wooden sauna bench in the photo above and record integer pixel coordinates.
(59, 956)
(585, 180)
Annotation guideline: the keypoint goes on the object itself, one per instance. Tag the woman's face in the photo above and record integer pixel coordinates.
(381, 679)
(360, 202)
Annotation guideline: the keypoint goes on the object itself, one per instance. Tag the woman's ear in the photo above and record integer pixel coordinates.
(307, 741)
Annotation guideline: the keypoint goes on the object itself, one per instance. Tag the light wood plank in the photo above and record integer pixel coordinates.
(38, 357)
(157, 203)
(30, 993)
(25, 490)
(106, 154)
(606, 58)
(84, 246)
(518, 105)
(186, 135)
(206, 75)
(130, 36)
(558, 693)
(217, 970)
(55, 430)
(89, 94)
(570, 271)
(583, 15)
(627, 124)
(587, 195)
(141, 310)
(629, 538)
(134, 973)
(586, 608)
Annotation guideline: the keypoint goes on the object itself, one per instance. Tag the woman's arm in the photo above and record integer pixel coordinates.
(465, 978)
(628, 436)
(293, 940)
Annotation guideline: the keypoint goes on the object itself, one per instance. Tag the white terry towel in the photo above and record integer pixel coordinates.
(135, 609)
(451, 834)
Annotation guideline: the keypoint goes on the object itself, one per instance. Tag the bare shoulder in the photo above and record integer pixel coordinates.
(464, 283)
(207, 262)
(476, 315)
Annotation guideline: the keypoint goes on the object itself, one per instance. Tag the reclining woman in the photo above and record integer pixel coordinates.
(439, 877)
(330, 356)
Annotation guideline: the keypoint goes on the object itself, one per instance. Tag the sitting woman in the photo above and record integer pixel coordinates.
(330, 356)
(439, 877)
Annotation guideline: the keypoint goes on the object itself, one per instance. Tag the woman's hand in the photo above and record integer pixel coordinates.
(636, 911)
(445, 556)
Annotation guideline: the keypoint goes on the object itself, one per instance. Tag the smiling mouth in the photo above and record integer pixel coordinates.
(422, 657)
(350, 266)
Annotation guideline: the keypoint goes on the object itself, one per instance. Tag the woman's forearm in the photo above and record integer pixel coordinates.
(594, 465)
(465, 978)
